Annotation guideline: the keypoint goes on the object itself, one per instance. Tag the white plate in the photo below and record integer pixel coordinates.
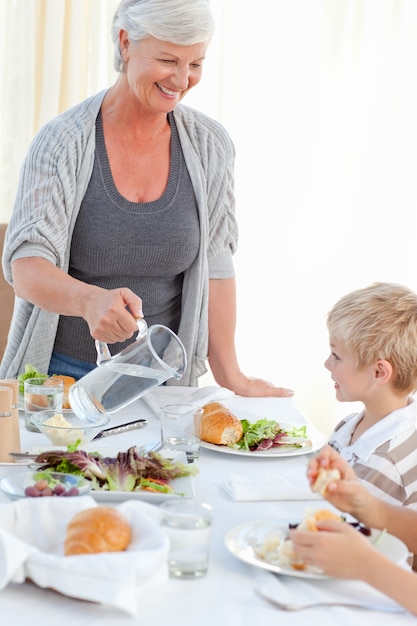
(316, 441)
(241, 541)
(183, 485)
(14, 485)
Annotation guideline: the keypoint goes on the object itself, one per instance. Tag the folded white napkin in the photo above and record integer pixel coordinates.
(267, 486)
(32, 532)
(190, 395)
(282, 410)
(297, 590)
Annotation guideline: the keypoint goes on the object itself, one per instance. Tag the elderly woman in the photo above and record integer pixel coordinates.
(125, 208)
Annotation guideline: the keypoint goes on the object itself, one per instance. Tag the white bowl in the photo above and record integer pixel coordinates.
(66, 428)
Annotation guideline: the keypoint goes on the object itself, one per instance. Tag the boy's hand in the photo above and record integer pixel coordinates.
(328, 458)
(347, 494)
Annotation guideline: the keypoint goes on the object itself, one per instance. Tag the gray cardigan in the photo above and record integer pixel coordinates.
(53, 180)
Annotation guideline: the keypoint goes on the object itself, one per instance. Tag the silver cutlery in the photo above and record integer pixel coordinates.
(122, 428)
(23, 455)
(291, 606)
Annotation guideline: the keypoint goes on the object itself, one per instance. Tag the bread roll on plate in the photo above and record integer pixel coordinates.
(219, 425)
(98, 529)
(68, 382)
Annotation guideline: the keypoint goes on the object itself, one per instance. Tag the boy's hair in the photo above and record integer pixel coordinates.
(379, 322)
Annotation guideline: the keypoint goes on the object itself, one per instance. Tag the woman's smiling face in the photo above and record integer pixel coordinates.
(160, 73)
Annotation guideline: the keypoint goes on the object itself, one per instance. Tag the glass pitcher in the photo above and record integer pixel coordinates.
(155, 356)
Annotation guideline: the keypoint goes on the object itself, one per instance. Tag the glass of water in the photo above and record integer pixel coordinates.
(181, 429)
(41, 394)
(188, 525)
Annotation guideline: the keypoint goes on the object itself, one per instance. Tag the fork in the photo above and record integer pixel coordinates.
(290, 606)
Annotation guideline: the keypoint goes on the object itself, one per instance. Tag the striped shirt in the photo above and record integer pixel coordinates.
(384, 457)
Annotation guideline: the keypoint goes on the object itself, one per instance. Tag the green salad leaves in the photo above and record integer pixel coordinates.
(264, 434)
(30, 372)
(128, 471)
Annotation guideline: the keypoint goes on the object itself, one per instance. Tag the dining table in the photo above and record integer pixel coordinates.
(229, 592)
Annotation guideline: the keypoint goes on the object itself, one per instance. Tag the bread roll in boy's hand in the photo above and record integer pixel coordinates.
(324, 478)
(99, 529)
(287, 555)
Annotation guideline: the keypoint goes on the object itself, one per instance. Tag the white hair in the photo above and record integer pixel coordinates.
(181, 22)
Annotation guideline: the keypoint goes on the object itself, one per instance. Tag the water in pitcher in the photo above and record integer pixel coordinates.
(112, 386)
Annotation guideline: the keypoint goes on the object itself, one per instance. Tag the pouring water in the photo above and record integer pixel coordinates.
(147, 363)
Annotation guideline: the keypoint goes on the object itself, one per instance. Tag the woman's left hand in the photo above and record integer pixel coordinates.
(257, 387)
(222, 351)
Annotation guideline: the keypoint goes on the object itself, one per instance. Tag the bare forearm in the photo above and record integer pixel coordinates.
(399, 521)
(394, 581)
(110, 314)
(46, 286)
(221, 349)
(222, 326)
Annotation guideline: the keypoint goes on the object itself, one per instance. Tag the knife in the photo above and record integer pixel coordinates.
(123, 428)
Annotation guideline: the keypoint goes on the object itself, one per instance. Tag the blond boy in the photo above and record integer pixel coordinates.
(373, 359)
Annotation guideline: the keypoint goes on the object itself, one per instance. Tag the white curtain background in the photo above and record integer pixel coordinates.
(320, 98)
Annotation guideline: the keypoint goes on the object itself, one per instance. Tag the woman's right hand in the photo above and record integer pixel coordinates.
(111, 314)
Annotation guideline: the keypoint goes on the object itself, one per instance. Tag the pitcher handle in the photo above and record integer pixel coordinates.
(103, 352)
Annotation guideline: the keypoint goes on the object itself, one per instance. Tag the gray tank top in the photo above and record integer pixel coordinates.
(144, 246)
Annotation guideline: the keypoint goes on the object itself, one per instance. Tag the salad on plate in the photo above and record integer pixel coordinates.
(264, 434)
(126, 472)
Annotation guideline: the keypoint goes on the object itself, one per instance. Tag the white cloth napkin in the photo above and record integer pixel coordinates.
(263, 487)
(302, 591)
(282, 410)
(172, 395)
(32, 532)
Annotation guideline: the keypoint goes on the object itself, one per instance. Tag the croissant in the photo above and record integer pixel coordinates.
(99, 529)
(219, 425)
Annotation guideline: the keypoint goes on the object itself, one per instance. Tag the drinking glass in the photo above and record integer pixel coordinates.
(188, 525)
(41, 394)
(181, 429)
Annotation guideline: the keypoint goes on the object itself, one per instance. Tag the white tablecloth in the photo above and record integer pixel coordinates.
(226, 594)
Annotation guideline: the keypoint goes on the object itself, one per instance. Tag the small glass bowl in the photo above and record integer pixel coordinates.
(66, 428)
(15, 484)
